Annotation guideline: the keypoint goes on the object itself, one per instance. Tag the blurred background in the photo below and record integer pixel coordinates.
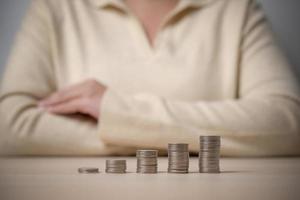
(284, 16)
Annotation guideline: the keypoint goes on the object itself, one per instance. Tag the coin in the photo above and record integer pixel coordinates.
(147, 153)
(88, 170)
(178, 147)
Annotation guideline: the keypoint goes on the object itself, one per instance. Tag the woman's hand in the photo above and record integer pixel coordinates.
(82, 98)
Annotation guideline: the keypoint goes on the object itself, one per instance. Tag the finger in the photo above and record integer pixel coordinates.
(61, 96)
(69, 107)
(57, 98)
(68, 93)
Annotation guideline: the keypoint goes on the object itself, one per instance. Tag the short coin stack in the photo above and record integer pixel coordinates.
(178, 155)
(146, 161)
(115, 166)
(209, 154)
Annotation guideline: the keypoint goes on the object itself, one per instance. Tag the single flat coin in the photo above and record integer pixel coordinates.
(88, 170)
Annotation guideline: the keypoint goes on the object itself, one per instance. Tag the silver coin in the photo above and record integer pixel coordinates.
(116, 162)
(210, 142)
(153, 160)
(185, 160)
(178, 154)
(177, 165)
(146, 163)
(115, 171)
(178, 171)
(178, 147)
(185, 163)
(88, 170)
(146, 171)
(178, 161)
(146, 153)
(147, 167)
(115, 167)
(210, 146)
(210, 137)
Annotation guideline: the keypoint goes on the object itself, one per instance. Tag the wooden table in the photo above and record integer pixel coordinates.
(53, 178)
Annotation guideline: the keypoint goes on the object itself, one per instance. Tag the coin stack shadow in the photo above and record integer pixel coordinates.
(146, 161)
(209, 154)
(178, 157)
(115, 166)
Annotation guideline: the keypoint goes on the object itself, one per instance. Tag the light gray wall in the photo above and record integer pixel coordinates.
(11, 13)
(283, 14)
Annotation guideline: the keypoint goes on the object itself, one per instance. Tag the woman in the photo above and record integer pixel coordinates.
(145, 73)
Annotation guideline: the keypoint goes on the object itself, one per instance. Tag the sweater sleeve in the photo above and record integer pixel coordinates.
(263, 120)
(29, 77)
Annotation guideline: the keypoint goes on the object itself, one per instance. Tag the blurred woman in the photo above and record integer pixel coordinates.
(143, 73)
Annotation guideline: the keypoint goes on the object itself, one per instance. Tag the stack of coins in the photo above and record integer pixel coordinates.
(115, 166)
(178, 155)
(146, 161)
(209, 154)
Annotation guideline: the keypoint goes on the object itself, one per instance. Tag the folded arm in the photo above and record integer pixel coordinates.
(29, 77)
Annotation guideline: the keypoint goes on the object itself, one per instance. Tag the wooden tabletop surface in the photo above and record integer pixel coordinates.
(55, 178)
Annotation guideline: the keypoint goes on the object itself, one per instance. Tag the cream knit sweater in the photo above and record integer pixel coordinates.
(214, 68)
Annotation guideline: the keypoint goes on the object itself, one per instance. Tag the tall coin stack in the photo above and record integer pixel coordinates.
(209, 154)
(115, 166)
(146, 161)
(178, 155)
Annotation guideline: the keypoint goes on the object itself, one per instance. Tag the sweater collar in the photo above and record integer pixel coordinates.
(120, 3)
